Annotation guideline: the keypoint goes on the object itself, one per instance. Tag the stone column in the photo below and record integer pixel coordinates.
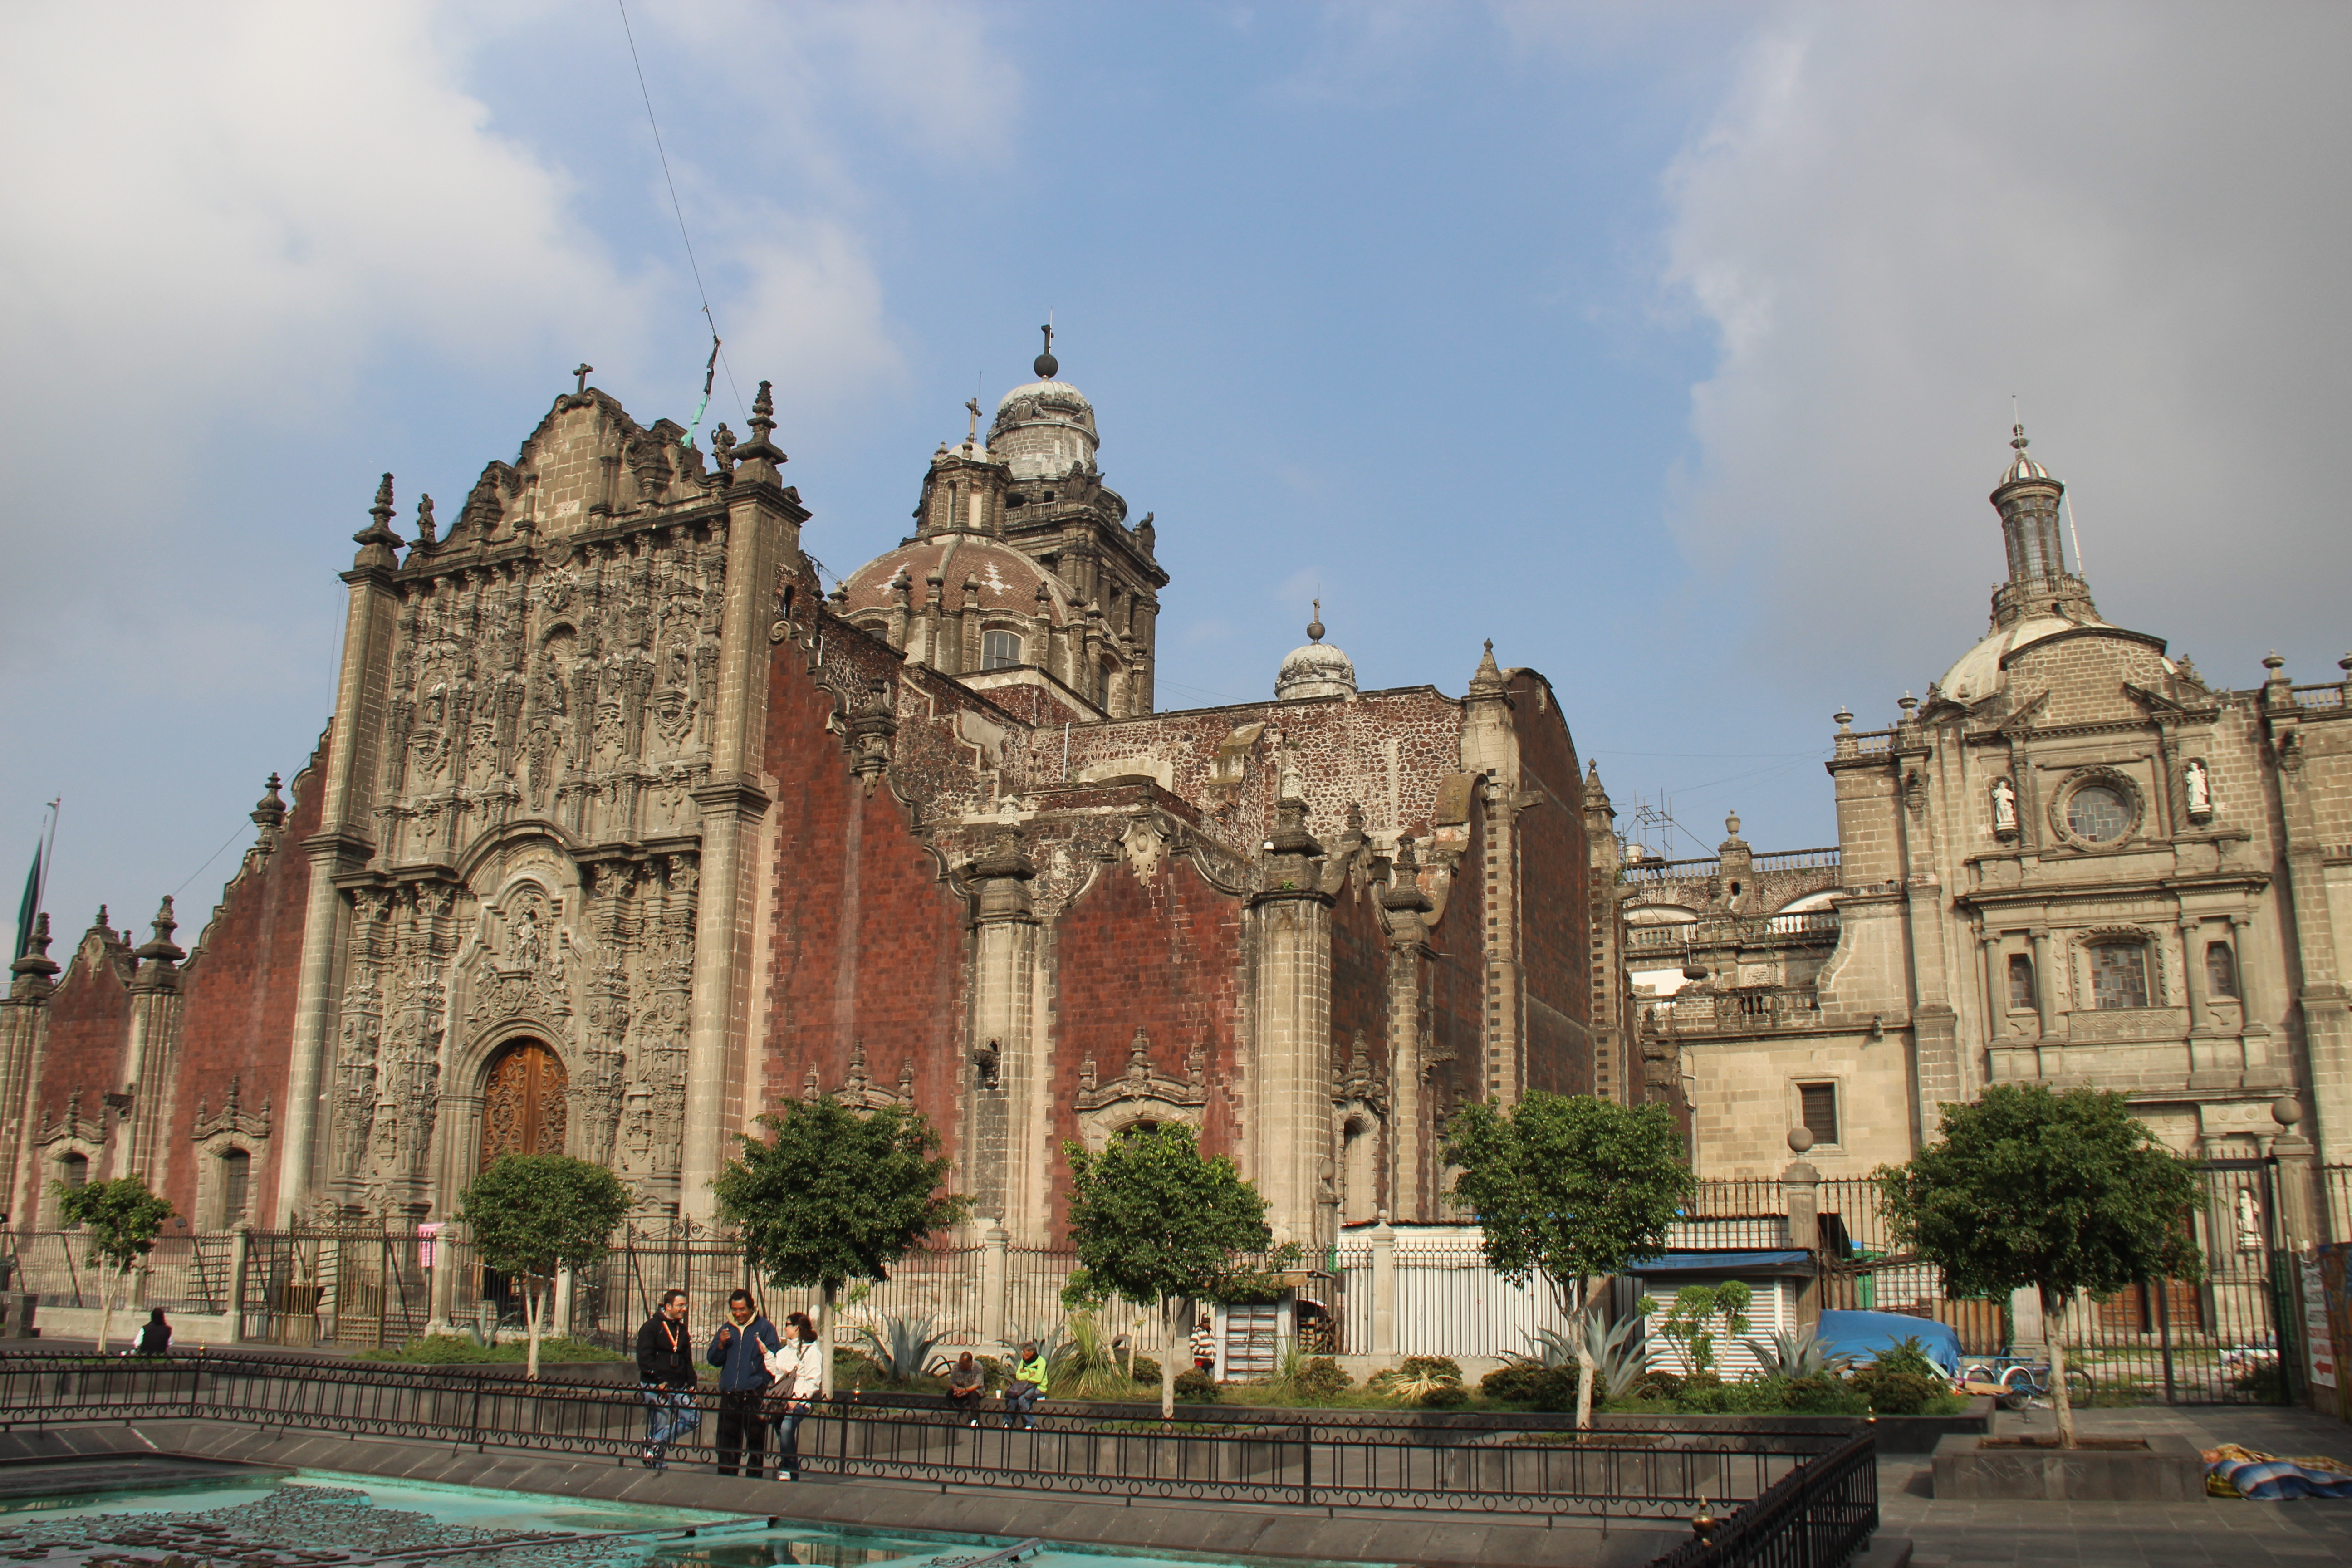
(1407, 908)
(1384, 1322)
(1290, 1034)
(763, 533)
(149, 1072)
(994, 1276)
(23, 1019)
(240, 1264)
(1007, 1150)
(444, 1287)
(1800, 1197)
(2046, 983)
(559, 1319)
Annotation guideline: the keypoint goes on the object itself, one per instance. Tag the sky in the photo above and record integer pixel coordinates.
(1671, 347)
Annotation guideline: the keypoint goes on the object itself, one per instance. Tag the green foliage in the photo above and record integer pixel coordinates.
(1568, 1187)
(1654, 1385)
(533, 1215)
(1896, 1393)
(1194, 1386)
(2064, 1191)
(1532, 1386)
(830, 1194)
(900, 1349)
(1147, 1370)
(1417, 1377)
(1822, 1393)
(1320, 1378)
(1085, 1365)
(1153, 1217)
(1445, 1397)
(120, 1219)
(453, 1350)
(1616, 1358)
(1692, 1317)
(1906, 1354)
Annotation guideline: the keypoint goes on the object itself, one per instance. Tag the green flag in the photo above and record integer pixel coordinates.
(29, 906)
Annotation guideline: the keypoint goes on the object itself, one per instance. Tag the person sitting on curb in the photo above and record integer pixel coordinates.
(1028, 1386)
(155, 1339)
(966, 1382)
(666, 1379)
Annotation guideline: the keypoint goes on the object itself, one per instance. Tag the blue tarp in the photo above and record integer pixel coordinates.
(1864, 1335)
(1722, 1263)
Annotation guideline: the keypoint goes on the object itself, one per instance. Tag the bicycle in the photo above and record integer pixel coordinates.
(2022, 1378)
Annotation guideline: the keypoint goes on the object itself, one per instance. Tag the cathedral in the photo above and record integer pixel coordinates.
(625, 831)
(2076, 861)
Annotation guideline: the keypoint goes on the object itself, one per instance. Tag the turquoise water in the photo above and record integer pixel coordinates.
(724, 1541)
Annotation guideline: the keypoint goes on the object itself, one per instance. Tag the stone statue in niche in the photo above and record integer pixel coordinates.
(2004, 808)
(2199, 784)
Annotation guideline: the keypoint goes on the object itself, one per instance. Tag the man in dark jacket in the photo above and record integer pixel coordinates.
(740, 1350)
(666, 1379)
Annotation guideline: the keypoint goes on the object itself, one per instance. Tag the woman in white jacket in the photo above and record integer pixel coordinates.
(798, 1368)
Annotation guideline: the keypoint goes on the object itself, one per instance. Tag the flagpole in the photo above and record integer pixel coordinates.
(49, 854)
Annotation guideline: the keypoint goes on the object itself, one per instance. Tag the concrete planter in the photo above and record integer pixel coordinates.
(2152, 1469)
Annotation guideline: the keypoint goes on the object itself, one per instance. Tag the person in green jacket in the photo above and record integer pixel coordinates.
(1028, 1386)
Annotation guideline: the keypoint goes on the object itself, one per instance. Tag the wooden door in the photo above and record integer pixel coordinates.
(522, 1104)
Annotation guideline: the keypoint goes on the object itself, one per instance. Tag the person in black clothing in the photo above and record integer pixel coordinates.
(666, 1379)
(155, 1339)
(740, 1351)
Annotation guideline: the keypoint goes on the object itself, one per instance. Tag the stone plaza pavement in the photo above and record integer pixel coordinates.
(2218, 1531)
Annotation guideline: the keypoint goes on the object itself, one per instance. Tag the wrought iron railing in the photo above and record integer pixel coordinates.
(1490, 1464)
(1819, 1515)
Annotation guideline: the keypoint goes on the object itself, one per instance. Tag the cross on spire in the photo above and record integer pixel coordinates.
(582, 370)
(1046, 365)
(973, 403)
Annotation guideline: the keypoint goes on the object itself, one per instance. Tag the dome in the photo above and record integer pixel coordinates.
(1316, 668)
(1977, 676)
(2021, 467)
(1008, 580)
(1043, 430)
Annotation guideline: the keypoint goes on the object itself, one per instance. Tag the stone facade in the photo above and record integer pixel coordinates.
(624, 833)
(2074, 862)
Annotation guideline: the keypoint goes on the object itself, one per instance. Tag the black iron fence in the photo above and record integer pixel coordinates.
(1819, 1515)
(1513, 1465)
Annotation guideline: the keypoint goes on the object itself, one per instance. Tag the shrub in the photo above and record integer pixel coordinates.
(1195, 1386)
(1713, 1396)
(1531, 1384)
(1321, 1378)
(1412, 1379)
(1147, 1370)
(1822, 1393)
(857, 1368)
(1897, 1393)
(1655, 1385)
(1906, 1355)
(1445, 1395)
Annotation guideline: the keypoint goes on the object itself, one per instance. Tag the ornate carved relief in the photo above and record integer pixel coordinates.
(1141, 1094)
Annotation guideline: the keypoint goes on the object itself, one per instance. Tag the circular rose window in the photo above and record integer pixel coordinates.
(2098, 814)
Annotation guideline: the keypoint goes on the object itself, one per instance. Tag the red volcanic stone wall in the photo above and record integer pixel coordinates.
(867, 942)
(89, 1028)
(1555, 878)
(1166, 954)
(1454, 976)
(238, 992)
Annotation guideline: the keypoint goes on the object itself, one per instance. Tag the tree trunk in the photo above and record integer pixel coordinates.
(2060, 1404)
(1587, 1371)
(530, 1323)
(1167, 1354)
(105, 1305)
(825, 1339)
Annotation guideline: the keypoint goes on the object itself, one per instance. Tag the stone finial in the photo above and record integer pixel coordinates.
(1843, 719)
(2286, 1111)
(159, 958)
(1801, 1139)
(1404, 891)
(1046, 366)
(1909, 704)
(34, 966)
(377, 541)
(759, 455)
(1489, 675)
(269, 814)
(1315, 624)
(1731, 825)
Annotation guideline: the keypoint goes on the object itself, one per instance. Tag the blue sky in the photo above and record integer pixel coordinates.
(1671, 347)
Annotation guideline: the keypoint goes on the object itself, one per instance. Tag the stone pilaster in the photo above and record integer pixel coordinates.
(763, 535)
(24, 1035)
(341, 846)
(150, 1062)
(1290, 991)
(2321, 997)
(1407, 907)
(1006, 1144)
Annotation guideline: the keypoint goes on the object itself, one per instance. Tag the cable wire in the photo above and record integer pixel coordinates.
(675, 206)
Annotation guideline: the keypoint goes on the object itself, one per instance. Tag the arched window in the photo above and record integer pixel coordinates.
(999, 649)
(236, 1184)
(2119, 974)
(2221, 970)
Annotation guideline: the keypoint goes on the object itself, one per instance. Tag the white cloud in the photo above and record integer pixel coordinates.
(2128, 216)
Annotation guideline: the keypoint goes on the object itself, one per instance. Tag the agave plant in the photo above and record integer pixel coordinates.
(1617, 1360)
(901, 1347)
(1797, 1352)
(1550, 1349)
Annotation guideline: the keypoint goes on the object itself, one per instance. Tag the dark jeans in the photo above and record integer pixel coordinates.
(1020, 1399)
(787, 1428)
(742, 1427)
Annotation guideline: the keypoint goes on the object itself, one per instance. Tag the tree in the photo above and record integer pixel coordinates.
(1690, 1321)
(533, 1215)
(832, 1196)
(120, 1219)
(1568, 1187)
(1155, 1220)
(2064, 1191)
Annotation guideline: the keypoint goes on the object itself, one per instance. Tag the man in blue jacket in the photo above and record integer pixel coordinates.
(740, 1350)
